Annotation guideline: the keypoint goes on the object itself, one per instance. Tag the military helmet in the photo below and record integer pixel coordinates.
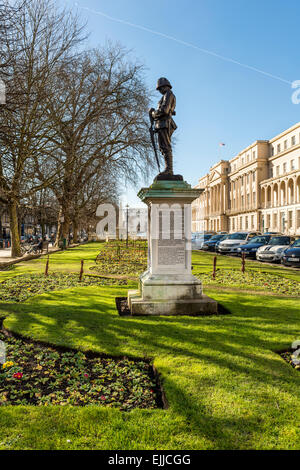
(163, 82)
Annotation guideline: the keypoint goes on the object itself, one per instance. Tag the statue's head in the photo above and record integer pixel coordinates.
(163, 84)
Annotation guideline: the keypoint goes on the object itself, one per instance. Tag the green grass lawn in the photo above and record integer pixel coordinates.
(226, 386)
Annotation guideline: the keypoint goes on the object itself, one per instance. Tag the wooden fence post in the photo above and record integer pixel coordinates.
(81, 270)
(243, 263)
(215, 267)
(47, 267)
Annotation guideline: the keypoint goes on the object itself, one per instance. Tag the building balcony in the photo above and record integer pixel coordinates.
(241, 210)
(279, 204)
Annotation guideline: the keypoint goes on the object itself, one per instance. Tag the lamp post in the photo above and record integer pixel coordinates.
(127, 207)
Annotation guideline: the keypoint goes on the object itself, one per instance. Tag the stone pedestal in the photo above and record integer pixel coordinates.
(168, 286)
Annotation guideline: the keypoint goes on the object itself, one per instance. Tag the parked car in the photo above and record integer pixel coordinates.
(218, 243)
(199, 238)
(251, 248)
(234, 241)
(273, 251)
(210, 245)
(291, 256)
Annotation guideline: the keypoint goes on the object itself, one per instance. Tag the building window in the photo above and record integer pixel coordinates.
(241, 223)
(254, 176)
(252, 221)
(298, 219)
(246, 223)
(282, 221)
(292, 165)
(248, 178)
(278, 148)
(277, 170)
(248, 200)
(274, 221)
(290, 219)
(254, 198)
(271, 173)
(254, 155)
(293, 140)
(268, 221)
(285, 144)
(284, 168)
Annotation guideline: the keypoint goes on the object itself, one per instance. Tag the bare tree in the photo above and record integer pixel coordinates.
(8, 14)
(102, 187)
(43, 37)
(99, 117)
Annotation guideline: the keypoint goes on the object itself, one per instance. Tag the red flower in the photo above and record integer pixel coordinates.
(86, 375)
(18, 375)
(103, 397)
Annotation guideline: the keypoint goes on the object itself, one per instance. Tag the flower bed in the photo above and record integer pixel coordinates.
(40, 375)
(116, 258)
(253, 280)
(20, 288)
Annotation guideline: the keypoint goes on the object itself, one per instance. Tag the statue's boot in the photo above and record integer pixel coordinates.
(169, 164)
(168, 174)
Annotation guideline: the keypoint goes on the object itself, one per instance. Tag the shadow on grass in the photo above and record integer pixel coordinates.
(221, 374)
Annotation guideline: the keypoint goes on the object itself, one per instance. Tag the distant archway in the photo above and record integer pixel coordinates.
(290, 199)
(298, 189)
(282, 193)
(263, 197)
(269, 196)
(275, 195)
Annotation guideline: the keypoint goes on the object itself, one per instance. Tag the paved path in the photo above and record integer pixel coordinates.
(5, 255)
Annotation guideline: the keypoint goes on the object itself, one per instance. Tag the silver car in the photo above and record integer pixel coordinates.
(234, 241)
(275, 249)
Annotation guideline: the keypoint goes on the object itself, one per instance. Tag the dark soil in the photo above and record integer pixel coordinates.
(287, 356)
(122, 306)
(36, 374)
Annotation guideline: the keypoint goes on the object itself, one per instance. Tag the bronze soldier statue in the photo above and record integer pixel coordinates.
(164, 126)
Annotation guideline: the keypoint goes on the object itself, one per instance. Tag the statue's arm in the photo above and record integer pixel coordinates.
(165, 105)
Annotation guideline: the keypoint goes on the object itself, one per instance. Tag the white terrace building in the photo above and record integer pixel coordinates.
(259, 189)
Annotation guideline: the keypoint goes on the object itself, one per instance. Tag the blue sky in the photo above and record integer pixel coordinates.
(217, 100)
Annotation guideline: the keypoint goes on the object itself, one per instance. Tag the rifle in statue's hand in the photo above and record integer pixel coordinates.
(151, 130)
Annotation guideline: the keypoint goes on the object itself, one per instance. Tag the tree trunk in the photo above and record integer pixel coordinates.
(75, 227)
(43, 229)
(58, 233)
(14, 230)
(65, 228)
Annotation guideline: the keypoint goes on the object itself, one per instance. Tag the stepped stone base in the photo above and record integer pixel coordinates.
(201, 306)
